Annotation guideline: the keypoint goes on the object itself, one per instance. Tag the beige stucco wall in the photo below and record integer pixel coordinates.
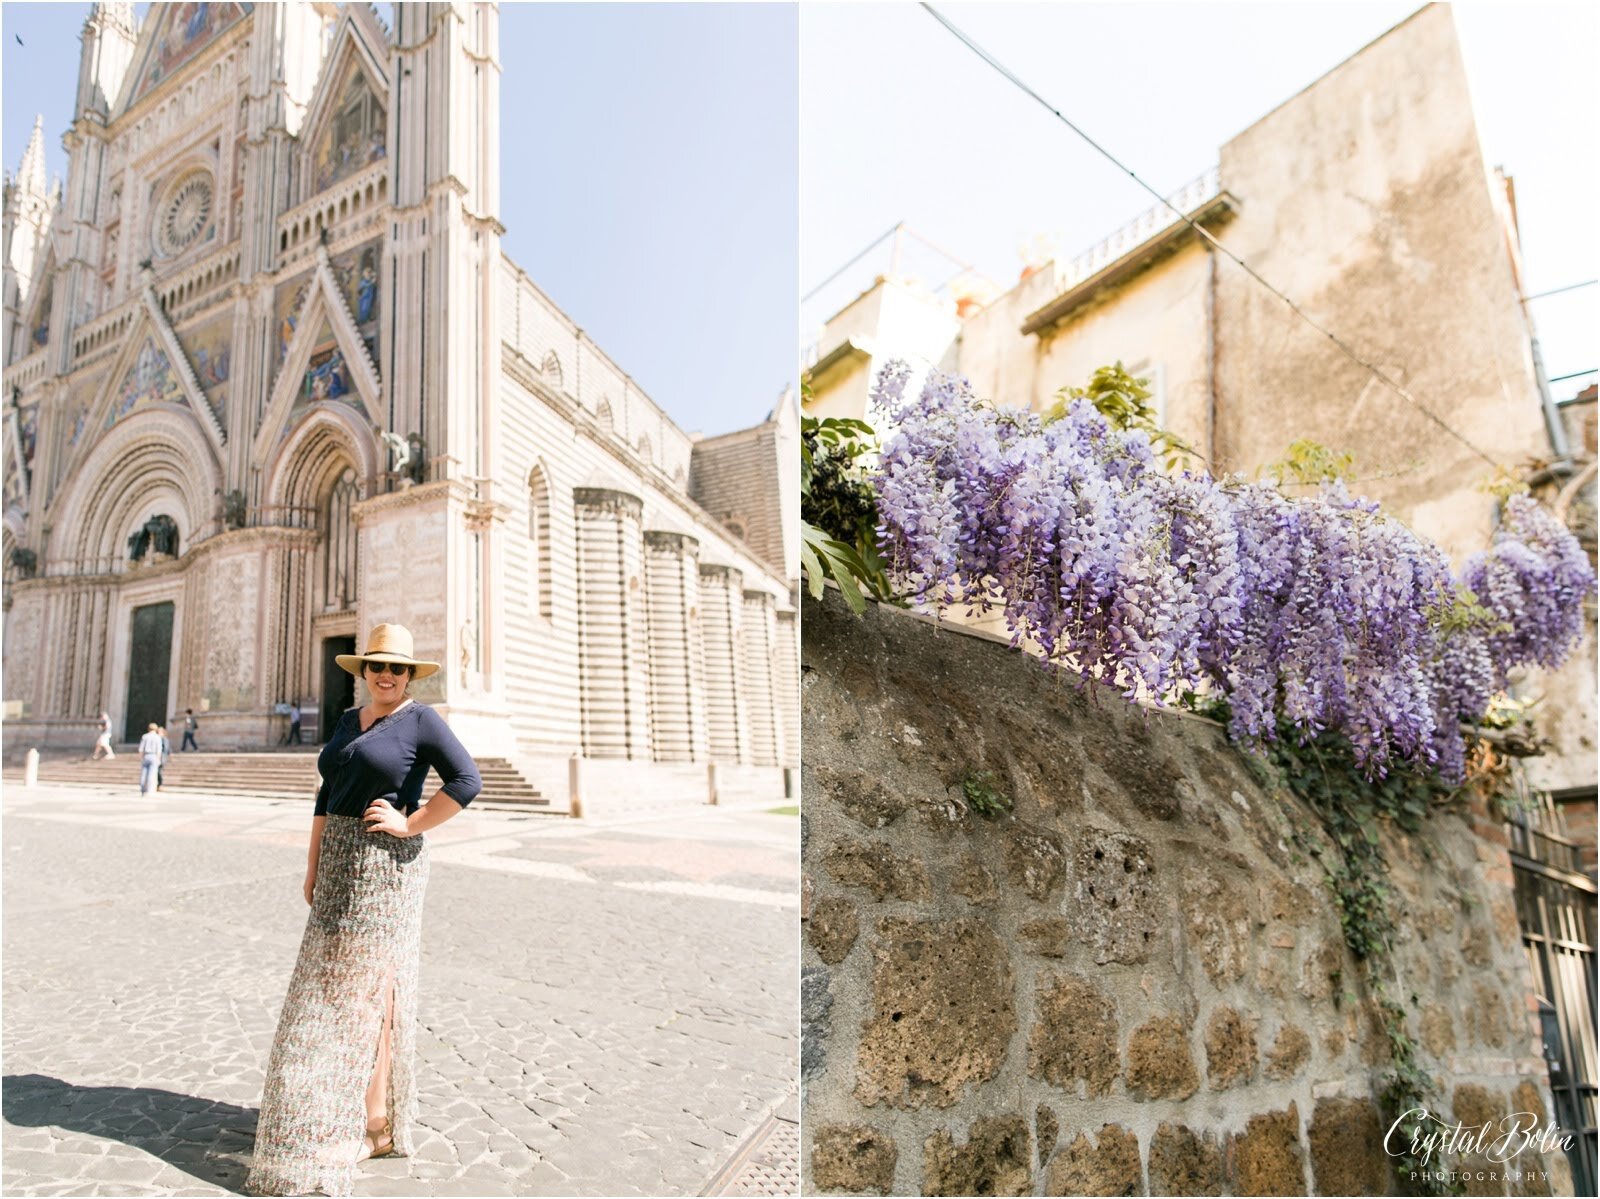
(891, 319)
(1365, 197)
(1155, 326)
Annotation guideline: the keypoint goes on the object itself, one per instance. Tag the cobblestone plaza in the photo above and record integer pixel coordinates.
(607, 1008)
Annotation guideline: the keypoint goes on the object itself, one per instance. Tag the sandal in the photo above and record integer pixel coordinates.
(375, 1146)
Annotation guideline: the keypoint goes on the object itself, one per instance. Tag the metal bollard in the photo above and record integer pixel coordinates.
(575, 787)
(30, 769)
(711, 782)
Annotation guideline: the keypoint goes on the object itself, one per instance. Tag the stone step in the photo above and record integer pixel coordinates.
(259, 773)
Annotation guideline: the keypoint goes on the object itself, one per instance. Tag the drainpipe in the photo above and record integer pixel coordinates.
(1552, 415)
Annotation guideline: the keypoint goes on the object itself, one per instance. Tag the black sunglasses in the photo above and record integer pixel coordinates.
(390, 667)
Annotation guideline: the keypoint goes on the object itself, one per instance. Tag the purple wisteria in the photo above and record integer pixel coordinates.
(1322, 610)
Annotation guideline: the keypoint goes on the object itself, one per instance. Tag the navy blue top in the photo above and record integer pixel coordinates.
(391, 761)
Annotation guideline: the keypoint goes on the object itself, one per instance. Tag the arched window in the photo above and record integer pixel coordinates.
(539, 542)
(340, 548)
(603, 417)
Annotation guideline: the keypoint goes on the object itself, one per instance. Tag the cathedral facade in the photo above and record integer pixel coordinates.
(271, 381)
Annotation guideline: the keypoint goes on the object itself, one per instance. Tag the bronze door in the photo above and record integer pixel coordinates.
(338, 686)
(149, 667)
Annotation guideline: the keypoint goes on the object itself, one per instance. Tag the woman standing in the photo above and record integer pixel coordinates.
(149, 759)
(339, 1083)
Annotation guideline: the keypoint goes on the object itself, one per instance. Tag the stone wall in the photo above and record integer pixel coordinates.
(1135, 980)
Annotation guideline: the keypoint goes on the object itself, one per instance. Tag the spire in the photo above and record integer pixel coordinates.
(108, 39)
(30, 175)
(118, 13)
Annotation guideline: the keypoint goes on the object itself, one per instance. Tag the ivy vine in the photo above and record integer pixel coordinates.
(1358, 814)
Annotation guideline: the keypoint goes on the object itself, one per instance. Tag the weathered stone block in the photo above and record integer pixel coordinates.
(852, 1157)
(1372, 1034)
(1045, 1128)
(1049, 936)
(863, 797)
(945, 814)
(1150, 778)
(1074, 1035)
(1527, 1097)
(1114, 903)
(943, 1012)
(1035, 860)
(1347, 1155)
(996, 1160)
(1265, 1158)
(832, 928)
(1476, 1106)
(1230, 1049)
(1160, 1065)
(1217, 919)
(1288, 903)
(1489, 1012)
(1109, 1166)
(1182, 1163)
(878, 869)
(1475, 947)
(1290, 1052)
(974, 883)
(816, 998)
(1322, 973)
(1438, 1030)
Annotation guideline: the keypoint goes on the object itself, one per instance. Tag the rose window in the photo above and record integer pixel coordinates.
(186, 215)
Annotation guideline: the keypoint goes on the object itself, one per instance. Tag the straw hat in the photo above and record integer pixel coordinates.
(388, 643)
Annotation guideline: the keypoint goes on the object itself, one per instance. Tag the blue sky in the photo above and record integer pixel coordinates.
(899, 121)
(649, 180)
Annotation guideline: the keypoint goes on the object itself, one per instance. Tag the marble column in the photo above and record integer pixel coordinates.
(613, 646)
(721, 614)
(760, 708)
(677, 656)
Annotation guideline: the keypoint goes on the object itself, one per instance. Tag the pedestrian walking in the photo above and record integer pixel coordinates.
(294, 724)
(102, 741)
(190, 723)
(166, 752)
(340, 1086)
(149, 759)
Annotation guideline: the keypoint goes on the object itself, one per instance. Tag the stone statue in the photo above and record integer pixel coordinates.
(159, 533)
(164, 535)
(399, 455)
(233, 509)
(417, 465)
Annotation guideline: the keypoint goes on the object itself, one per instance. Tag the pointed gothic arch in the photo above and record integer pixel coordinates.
(322, 472)
(293, 472)
(324, 318)
(346, 125)
(173, 36)
(151, 373)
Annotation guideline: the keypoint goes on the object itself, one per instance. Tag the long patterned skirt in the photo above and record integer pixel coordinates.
(360, 949)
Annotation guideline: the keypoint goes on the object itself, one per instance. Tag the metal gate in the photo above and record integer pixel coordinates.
(1556, 908)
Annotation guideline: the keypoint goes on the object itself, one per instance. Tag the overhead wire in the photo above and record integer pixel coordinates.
(1556, 291)
(1343, 347)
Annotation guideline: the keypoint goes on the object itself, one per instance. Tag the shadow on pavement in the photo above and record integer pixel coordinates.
(202, 1137)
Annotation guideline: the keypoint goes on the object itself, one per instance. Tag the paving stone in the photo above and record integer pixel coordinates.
(547, 1063)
